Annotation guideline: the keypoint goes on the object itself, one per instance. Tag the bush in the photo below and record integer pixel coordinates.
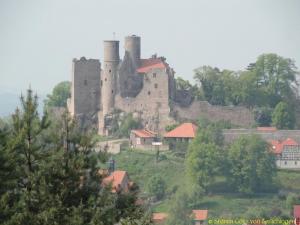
(291, 200)
(156, 187)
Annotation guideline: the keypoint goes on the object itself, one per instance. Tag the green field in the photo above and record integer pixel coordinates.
(141, 165)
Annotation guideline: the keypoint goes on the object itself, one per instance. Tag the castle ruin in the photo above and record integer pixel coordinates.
(144, 87)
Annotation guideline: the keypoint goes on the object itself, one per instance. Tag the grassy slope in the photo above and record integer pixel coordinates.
(141, 166)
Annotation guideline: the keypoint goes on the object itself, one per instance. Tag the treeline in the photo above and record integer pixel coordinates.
(49, 174)
(268, 86)
(246, 168)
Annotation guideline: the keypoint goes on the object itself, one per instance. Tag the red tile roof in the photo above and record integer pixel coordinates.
(278, 146)
(185, 130)
(144, 133)
(272, 129)
(152, 63)
(159, 217)
(296, 211)
(115, 179)
(200, 214)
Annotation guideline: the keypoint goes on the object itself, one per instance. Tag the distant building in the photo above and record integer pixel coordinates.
(119, 181)
(184, 132)
(266, 129)
(200, 216)
(159, 218)
(297, 214)
(287, 153)
(142, 139)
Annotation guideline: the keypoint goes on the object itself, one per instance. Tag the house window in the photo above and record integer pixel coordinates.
(285, 162)
(110, 71)
(155, 85)
(105, 79)
(154, 75)
(296, 162)
(149, 92)
(112, 91)
(85, 82)
(101, 83)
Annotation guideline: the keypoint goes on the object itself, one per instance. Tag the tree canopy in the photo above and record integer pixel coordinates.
(60, 93)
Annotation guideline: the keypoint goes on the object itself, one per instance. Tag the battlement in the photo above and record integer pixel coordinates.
(85, 60)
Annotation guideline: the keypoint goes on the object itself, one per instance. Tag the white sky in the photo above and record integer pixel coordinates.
(39, 38)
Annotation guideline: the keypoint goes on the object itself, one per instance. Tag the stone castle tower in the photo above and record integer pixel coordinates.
(144, 87)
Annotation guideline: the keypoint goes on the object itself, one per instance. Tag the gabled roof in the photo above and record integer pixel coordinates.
(296, 211)
(115, 179)
(200, 214)
(159, 217)
(144, 133)
(152, 63)
(185, 130)
(272, 129)
(278, 146)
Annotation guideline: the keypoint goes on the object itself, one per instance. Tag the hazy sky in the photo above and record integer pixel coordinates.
(39, 38)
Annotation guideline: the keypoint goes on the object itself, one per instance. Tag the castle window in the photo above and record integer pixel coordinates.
(155, 85)
(154, 75)
(85, 82)
(149, 92)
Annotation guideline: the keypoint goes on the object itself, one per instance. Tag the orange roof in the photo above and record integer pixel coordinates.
(115, 179)
(144, 133)
(296, 211)
(266, 129)
(200, 214)
(185, 130)
(159, 217)
(152, 63)
(277, 146)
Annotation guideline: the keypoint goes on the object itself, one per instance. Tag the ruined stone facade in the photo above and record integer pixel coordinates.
(144, 87)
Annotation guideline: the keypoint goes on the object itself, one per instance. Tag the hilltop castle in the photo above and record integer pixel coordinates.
(144, 87)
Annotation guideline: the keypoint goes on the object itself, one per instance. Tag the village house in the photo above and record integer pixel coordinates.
(297, 214)
(200, 216)
(142, 139)
(119, 181)
(183, 133)
(287, 153)
(159, 218)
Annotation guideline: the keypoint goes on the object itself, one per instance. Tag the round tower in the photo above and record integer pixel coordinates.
(109, 74)
(133, 47)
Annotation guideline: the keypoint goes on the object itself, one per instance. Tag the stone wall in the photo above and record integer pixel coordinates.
(152, 101)
(240, 116)
(232, 134)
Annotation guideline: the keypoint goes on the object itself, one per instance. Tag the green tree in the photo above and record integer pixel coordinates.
(275, 74)
(54, 175)
(203, 163)
(60, 93)
(263, 116)
(179, 213)
(283, 116)
(252, 166)
(156, 186)
(291, 200)
(127, 124)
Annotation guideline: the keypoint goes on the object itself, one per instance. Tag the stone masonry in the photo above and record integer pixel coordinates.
(144, 87)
